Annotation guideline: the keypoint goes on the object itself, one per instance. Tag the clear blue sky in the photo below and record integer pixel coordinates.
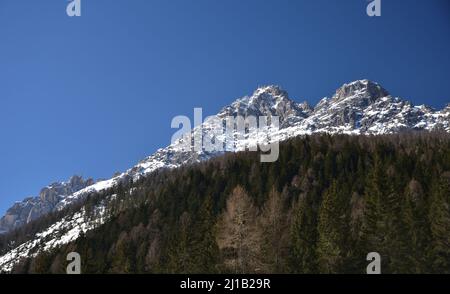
(95, 94)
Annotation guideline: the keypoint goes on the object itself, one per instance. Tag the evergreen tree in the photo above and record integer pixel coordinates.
(204, 245)
(303, 257)
(398, 257)
(439, 215)
(124, 258)
(180, 252)
(274, 226)
(414, 215)
(332, 229)
(374, 226)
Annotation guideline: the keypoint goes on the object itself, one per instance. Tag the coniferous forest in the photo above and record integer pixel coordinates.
(321, 208)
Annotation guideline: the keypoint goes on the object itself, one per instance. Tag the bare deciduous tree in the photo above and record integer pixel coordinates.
(239, 235)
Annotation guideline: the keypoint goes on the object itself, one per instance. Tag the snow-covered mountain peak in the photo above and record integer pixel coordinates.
(270, 90)
(362, 92)
(267, 101)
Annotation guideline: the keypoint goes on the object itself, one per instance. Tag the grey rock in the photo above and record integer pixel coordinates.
(32, 208)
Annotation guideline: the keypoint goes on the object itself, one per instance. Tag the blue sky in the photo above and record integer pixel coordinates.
(95, 94)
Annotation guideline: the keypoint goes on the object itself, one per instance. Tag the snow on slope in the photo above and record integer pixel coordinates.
(62, 232)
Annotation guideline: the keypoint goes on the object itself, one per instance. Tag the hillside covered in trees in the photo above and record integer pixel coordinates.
(321, 208)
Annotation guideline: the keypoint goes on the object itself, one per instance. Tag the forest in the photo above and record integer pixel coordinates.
(321, 208)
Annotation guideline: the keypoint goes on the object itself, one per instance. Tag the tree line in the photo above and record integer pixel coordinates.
(321, 208)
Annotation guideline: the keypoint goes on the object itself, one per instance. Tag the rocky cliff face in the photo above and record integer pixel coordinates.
(364, 107)
(32, 208)
(268, 101)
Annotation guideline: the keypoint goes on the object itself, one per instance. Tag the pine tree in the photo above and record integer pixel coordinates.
(374, 227)
(332, 229)
(439, 216)
(303, 257)
(274, 225)
(204, 246)
(180, 251)
(123, 260)
(414, 215)
(399, 257)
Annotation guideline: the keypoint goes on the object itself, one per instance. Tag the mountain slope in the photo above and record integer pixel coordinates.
(360, 108)
(313, 200)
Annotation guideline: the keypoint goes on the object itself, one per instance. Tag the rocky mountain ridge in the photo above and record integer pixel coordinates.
(361, 107)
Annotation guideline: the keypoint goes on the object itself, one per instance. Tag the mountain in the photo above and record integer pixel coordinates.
(49, 198)
(364, 107)
(359, 108)
(270, 100)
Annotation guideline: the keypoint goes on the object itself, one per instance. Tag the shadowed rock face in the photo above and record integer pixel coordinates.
(32, 208)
